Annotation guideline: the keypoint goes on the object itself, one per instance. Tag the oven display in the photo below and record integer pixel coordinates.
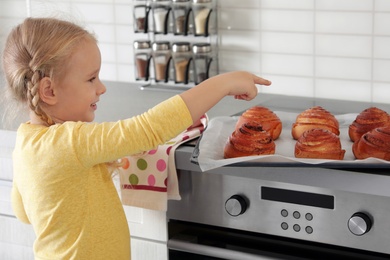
(298, 197)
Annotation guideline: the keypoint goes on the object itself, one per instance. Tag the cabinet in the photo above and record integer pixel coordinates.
(147, 227)
(16, 239)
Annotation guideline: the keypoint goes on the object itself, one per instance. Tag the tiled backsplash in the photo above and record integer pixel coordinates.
(338, 49)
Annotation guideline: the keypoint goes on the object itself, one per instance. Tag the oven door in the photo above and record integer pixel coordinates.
(197, 241)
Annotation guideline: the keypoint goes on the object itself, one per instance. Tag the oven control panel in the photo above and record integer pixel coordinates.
(333, 211)
(358, 224)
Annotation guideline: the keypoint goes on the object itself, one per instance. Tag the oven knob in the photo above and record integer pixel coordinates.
(235, 205)
(359, 224)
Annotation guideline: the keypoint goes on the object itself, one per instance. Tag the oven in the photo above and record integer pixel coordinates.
(279, 211)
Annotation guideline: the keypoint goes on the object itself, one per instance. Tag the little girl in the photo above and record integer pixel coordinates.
(62, 185)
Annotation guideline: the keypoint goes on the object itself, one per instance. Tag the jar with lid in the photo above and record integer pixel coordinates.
(142, 57)
(161, 10)
(161, 60)
(182, 56)
(180, 13)
(202, 21)
(141, 15)
(202, 57)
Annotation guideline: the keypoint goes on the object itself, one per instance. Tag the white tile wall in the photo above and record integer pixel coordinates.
(337, 49)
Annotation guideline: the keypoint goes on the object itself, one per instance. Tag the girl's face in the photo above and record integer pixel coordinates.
(80, 88)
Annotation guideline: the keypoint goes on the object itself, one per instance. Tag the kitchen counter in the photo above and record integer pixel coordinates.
(124, 100)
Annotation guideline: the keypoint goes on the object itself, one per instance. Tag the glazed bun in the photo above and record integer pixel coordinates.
(263, 116)
(319, 143)
(367, 120)
(315, 117)
(248, 140)
(375, 143)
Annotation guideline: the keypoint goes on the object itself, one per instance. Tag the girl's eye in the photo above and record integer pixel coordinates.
(92, 79)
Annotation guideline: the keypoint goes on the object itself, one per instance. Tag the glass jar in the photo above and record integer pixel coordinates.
(180, 12)
(160, 10)
(182, 56)
(202, 57)
(161, 58)
(142, 56)
(201, 15)
(140, 15)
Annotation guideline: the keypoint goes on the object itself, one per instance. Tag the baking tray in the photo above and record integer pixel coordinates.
(208, 152)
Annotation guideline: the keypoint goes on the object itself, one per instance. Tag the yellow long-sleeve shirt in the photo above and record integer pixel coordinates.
(63, 188)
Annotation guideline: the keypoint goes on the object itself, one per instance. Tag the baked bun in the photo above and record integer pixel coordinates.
(315, 117)
(247, 140)
(264, 116)
(375, 143)
(319, 143)
(367, 120)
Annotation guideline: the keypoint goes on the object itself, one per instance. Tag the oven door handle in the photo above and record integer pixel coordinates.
(184, 246)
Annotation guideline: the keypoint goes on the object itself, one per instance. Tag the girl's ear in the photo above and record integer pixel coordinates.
(46, 91)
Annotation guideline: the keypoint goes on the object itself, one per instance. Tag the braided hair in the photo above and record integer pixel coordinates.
(38, 48)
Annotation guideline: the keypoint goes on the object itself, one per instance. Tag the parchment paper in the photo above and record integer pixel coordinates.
(219, 129)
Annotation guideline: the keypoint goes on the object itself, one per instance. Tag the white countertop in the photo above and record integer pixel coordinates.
(124, 100)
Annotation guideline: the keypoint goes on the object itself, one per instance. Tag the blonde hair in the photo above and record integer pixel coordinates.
(37, 48)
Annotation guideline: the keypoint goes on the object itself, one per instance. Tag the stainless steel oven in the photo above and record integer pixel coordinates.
(280, 210)
(280, 213)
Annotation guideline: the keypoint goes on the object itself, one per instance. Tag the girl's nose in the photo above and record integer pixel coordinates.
(102, 89)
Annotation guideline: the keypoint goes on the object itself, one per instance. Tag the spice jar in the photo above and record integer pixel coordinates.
(202, 57)
(161, 58)
(141, 14)
(142, 56)
(160, 10)
(180, 12)
(182, 56)
(201, 14)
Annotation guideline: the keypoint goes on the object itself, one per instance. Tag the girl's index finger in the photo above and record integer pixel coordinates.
(261, 81)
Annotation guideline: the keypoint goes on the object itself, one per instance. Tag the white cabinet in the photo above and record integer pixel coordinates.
(148, 228)
(149, 235)
(147, 224)
(5, 198)
(144, 249)
(7, 143)
(16, 239)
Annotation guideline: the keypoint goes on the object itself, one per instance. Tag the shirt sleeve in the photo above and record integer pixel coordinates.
(17, 205)
(98, 143)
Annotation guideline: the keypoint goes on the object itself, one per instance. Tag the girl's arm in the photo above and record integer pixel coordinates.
(204, 96)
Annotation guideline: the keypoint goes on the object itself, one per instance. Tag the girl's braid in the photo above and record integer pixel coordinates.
(32, 82)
